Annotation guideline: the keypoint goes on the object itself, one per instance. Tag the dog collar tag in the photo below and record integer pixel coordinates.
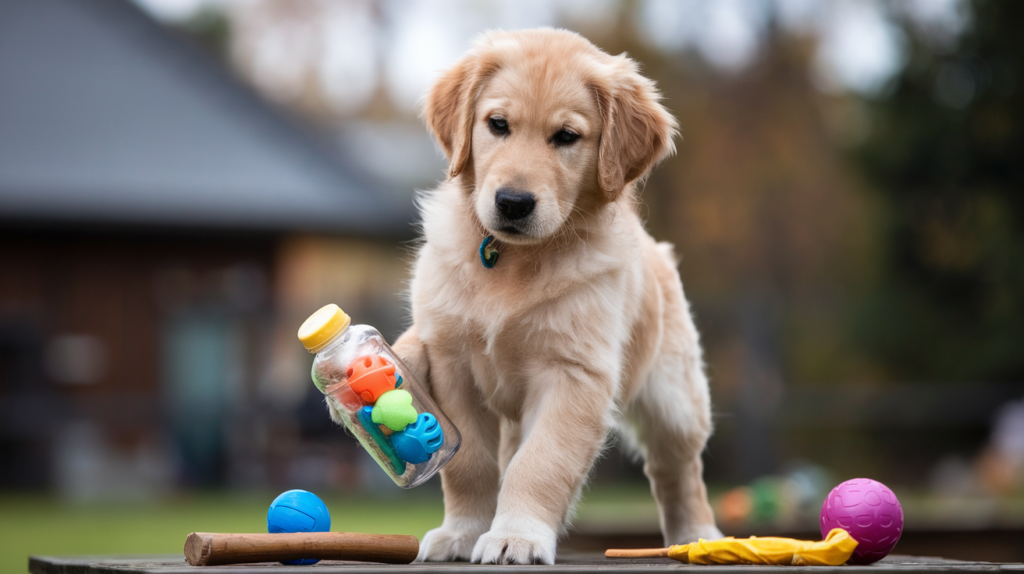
(488, 252)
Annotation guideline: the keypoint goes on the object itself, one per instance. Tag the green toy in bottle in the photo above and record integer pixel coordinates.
(378, 398)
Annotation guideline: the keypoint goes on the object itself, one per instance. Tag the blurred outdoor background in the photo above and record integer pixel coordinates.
(183, 181)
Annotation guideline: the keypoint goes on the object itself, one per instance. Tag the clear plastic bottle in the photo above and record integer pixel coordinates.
(379, 400)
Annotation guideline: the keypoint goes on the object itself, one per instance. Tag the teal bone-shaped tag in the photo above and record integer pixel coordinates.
(488, 252)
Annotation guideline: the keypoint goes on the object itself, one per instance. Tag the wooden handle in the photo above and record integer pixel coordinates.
(211, 549)
(636, 553)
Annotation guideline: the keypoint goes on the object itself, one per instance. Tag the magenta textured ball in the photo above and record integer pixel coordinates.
(869, 511)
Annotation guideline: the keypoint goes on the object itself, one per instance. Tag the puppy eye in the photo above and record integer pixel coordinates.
(564, 137)
(498, 125)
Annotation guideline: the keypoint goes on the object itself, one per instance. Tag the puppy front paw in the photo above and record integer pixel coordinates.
(695, 533)
(452, 541)
(516, 540)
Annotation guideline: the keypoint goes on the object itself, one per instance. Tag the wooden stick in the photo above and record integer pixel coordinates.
(211, 549)
(636, 553)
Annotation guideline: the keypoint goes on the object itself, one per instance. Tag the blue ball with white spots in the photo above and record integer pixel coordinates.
(298, 511)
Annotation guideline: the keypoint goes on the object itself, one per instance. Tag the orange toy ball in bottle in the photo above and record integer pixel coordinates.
(370, 377)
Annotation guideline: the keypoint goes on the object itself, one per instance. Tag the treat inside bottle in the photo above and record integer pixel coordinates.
(378, 398)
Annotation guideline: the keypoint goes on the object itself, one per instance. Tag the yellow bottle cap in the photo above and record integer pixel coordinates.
(322, 326)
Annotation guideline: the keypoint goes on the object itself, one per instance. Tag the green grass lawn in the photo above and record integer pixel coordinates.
(36, 524)
(46, 526)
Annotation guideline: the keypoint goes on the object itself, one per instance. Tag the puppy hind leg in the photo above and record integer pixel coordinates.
(671, 422)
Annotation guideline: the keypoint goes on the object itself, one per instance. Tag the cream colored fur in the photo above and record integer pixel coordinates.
(581, 326)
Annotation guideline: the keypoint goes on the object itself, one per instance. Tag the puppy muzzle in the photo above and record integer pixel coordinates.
(514, 208)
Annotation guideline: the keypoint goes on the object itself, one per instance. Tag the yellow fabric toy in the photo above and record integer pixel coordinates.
(834, 550)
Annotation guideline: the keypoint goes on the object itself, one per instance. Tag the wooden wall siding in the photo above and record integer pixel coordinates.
(122, 289)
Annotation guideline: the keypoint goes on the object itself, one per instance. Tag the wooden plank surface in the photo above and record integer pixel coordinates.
(567, 562)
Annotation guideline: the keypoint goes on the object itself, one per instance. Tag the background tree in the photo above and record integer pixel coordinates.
(946, 156)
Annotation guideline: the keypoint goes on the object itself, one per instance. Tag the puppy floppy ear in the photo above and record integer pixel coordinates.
(637, 130)
(450, 106)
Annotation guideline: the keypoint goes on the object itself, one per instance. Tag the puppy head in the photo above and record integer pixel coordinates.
(541, 123)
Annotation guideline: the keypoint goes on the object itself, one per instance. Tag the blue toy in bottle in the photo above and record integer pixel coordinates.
(419, 440)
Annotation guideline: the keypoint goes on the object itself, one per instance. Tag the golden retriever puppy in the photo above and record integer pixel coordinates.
(579, 326)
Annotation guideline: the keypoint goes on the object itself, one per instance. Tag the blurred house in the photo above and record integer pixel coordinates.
(162, 233)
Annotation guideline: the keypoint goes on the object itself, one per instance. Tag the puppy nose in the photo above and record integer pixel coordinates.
(514, 204)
